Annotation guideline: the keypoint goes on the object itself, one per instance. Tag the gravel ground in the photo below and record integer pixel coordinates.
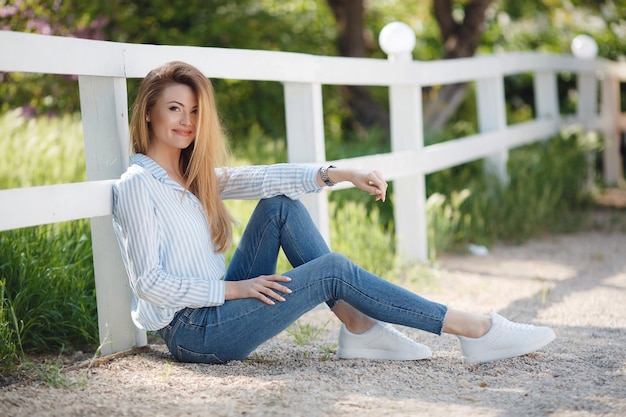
(574, 283)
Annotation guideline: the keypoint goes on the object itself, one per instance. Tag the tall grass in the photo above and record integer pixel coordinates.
(549, 190)
(48, 291)
(10, 333)
(40, 151)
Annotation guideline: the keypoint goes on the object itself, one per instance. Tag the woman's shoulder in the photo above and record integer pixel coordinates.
(134, 173)
(134, 177)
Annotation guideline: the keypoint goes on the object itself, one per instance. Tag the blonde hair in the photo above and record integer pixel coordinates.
(208, 151)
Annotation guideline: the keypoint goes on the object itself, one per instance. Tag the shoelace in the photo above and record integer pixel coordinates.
(510, 325)
(396, 333)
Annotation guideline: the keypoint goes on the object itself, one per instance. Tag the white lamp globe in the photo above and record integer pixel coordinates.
(397, 38)
(584, 47)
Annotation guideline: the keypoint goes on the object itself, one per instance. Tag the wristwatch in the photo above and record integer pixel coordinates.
(324, 175)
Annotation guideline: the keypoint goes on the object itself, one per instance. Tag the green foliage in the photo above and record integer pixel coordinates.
(548, 178)
(362, 237)
(10, 342)
(48, 300)
(446, 221)
(40, 151)
(550, 26)
(547, 191)
(296, 26)
(48, 274)
(306, 26)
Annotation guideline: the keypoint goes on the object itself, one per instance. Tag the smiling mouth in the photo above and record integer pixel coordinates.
(183, 132)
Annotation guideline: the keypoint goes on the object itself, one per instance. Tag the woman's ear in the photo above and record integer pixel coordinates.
(148, 117)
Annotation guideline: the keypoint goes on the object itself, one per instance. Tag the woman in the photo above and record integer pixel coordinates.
(173, 229)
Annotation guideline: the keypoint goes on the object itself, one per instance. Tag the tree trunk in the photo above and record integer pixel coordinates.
(460, 41)
(366, 112)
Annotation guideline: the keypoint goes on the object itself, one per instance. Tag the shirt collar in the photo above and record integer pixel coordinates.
(153, 168)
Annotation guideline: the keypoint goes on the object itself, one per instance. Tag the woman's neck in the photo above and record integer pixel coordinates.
(170, 162)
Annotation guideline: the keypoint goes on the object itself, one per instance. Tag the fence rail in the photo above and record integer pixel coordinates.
(104, 67)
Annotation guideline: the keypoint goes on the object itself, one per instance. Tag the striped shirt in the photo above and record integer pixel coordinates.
(165, 240)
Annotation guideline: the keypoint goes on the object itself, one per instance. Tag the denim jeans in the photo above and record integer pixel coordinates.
(233, 330)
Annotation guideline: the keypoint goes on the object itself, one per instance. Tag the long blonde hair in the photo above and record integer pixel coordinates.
(207, 152)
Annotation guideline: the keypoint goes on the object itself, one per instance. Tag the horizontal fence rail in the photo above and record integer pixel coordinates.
(33, 206)
(103, 68)
(25, 52)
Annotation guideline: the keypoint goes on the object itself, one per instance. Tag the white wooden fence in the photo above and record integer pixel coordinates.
(103, 67)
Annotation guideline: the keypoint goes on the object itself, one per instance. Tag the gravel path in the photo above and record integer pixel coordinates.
(574, 283)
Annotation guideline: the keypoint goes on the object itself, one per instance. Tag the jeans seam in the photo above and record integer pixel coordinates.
(257, 248)
(287, 231)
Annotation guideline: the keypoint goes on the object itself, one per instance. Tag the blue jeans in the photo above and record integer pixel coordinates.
(233, 330)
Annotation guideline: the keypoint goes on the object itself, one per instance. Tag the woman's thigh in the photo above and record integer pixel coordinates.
(233, 330)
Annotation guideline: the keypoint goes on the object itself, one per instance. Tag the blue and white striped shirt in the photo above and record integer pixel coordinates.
(165, 240)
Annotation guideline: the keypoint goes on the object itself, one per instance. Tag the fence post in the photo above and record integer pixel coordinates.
(491, 118)
(305, 141)
(105, 127)
(546, 95)
(587, 111)
(610, 113)
(397, 40)
(584, 47)
(587, 106)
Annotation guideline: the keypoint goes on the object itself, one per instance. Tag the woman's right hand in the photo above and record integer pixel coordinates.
(263, 287)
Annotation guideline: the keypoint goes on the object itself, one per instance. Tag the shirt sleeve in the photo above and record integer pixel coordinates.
(137, 231)
(265, 181)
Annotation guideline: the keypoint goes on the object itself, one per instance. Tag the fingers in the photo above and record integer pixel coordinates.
(267, 287)
(377, 185)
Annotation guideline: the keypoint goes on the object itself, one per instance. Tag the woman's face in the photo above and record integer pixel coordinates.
(173, 118)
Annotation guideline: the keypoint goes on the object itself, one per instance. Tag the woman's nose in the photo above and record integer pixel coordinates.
(185, 119)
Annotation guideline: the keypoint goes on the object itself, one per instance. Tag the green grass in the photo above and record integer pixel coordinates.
(549, 190)
(40, 151)
(304, 333)
(10, 334)
(49, 282)
(47, 292)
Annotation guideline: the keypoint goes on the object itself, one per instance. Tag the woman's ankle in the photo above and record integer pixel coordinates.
(355, 321)
(460, 323)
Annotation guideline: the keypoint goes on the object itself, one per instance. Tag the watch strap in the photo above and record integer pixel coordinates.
(324, 175)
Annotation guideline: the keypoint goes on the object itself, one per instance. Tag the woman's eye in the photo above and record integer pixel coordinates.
(173, 108)
(194, 111)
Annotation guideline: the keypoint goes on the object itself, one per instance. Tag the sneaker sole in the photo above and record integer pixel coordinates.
(379, 355)
(508, 353)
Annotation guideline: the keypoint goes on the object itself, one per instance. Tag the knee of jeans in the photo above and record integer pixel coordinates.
(285, 201)
(337, 259)
(279, 199)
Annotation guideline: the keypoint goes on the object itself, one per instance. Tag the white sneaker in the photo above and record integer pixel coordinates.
(381, 342)
(505, 339)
